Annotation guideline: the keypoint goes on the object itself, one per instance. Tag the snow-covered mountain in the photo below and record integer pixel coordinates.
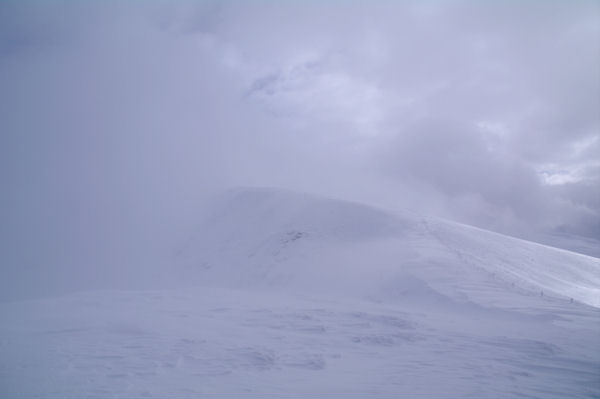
(264, 237)
(288, 295)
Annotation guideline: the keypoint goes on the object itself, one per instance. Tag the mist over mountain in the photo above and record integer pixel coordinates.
(117, 119)
(315, 199)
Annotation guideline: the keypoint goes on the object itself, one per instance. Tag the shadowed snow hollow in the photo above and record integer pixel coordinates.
(260, 237)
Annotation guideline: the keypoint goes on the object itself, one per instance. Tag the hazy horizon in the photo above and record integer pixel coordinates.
(117, 119)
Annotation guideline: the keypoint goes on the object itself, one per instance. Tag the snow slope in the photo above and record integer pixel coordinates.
(274, 238)
(292, 296)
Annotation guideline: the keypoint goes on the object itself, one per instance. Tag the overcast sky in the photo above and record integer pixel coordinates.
(117, 118)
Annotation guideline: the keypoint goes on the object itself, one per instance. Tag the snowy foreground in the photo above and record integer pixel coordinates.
(291, 296)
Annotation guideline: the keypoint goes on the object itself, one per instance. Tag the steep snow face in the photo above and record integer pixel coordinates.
(261, 237)
(533, 266)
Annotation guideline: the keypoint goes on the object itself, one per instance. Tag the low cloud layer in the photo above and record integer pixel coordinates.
(116, 119)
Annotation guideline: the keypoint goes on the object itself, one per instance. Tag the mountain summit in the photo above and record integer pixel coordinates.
(264, 237)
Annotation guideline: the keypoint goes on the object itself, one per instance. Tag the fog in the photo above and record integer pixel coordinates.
(119, 119)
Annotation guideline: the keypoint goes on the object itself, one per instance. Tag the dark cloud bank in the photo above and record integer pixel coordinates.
(118, 118)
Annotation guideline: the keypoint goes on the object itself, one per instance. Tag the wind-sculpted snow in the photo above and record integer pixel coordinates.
(292, 296)
(225, 343)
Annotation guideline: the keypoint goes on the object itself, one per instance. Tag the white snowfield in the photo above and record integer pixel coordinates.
(285, 295)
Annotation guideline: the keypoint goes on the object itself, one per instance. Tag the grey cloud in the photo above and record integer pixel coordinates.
(455, 158)
(116, 119)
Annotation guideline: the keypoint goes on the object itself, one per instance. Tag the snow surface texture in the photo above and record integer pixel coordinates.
(292, 296)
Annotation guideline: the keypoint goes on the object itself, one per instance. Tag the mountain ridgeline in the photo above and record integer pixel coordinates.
(276, 239)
